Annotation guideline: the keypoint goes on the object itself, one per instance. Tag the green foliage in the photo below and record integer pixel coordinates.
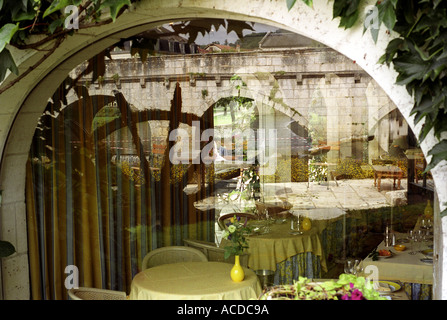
(7, 63)
(114, 6)
(22, 19)
(6, 60)
(291, 3)
(348, 12)
(236, 233)
(317, 172)
(250, 179)
(418, 53)
(387, 12)
(56, 6)
(6, 249)
(298, 168)
(347, 287)
(6, 34)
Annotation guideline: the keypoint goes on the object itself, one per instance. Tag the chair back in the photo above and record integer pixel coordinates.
(172, 254)
(204, 246)
(84, 293)
(214, 253)
(223, 218)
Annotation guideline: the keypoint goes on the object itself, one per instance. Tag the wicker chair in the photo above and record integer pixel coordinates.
(213, 252)
(83, 293)
(172, 254)
(223, 218)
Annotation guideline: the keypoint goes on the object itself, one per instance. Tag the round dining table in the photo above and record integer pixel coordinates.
(268, 249)
(193, 281)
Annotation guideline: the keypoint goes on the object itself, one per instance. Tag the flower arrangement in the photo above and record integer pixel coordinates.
(236, 233)
(347, 287)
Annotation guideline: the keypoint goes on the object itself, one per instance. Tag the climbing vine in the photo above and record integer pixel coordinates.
(49, 21)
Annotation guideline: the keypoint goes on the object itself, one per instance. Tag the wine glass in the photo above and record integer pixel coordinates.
(358, 267)
(263, 214)
(429, 225)
(425, 234)
(268, 221)
(349, 266)
(417, 242)
(295, 224)
(412, 237)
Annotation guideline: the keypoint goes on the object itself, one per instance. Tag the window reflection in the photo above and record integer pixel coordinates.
(153, 140)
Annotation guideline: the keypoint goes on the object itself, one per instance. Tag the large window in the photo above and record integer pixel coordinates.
(150, 142)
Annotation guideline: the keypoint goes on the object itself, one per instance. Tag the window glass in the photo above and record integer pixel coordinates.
(150, 142)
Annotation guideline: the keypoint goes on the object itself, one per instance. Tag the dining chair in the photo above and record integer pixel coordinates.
(215, 253)
(172, 254)
(222, 220)
(85, 293)
(204, 246)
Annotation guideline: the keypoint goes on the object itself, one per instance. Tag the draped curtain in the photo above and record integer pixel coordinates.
(101, 191)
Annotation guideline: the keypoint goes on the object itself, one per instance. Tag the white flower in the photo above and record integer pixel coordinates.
(232, 228)
(225, 234)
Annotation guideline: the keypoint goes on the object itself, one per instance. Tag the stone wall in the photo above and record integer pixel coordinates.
(296, 82)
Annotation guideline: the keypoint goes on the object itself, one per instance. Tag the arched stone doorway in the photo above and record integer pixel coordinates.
(23, 104)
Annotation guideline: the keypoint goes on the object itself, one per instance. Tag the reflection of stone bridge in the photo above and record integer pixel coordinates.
(299, 83)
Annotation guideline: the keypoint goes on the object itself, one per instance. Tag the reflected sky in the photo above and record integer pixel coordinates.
(222, 36)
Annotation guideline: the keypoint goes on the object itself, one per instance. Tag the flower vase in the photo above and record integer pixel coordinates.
(237, 272)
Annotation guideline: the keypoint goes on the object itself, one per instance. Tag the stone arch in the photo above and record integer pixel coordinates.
(21, 105)
(259, 87)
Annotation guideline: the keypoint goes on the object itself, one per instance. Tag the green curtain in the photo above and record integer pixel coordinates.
(100, 195)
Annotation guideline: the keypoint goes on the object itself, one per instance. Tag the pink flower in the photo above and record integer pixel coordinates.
(346, 297)
(357, 295)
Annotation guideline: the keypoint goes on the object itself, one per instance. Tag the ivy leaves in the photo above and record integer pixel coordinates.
(22, 18)
(6, 60)
(6, 248)
(6, 34)
(59, 5)
(14, 16)
(115, 6)
(7, 63)
(347, 10)
(291, 3)
(387, 12)
(418, 54)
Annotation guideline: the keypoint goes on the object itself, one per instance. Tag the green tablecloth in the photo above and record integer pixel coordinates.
(267, 250)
